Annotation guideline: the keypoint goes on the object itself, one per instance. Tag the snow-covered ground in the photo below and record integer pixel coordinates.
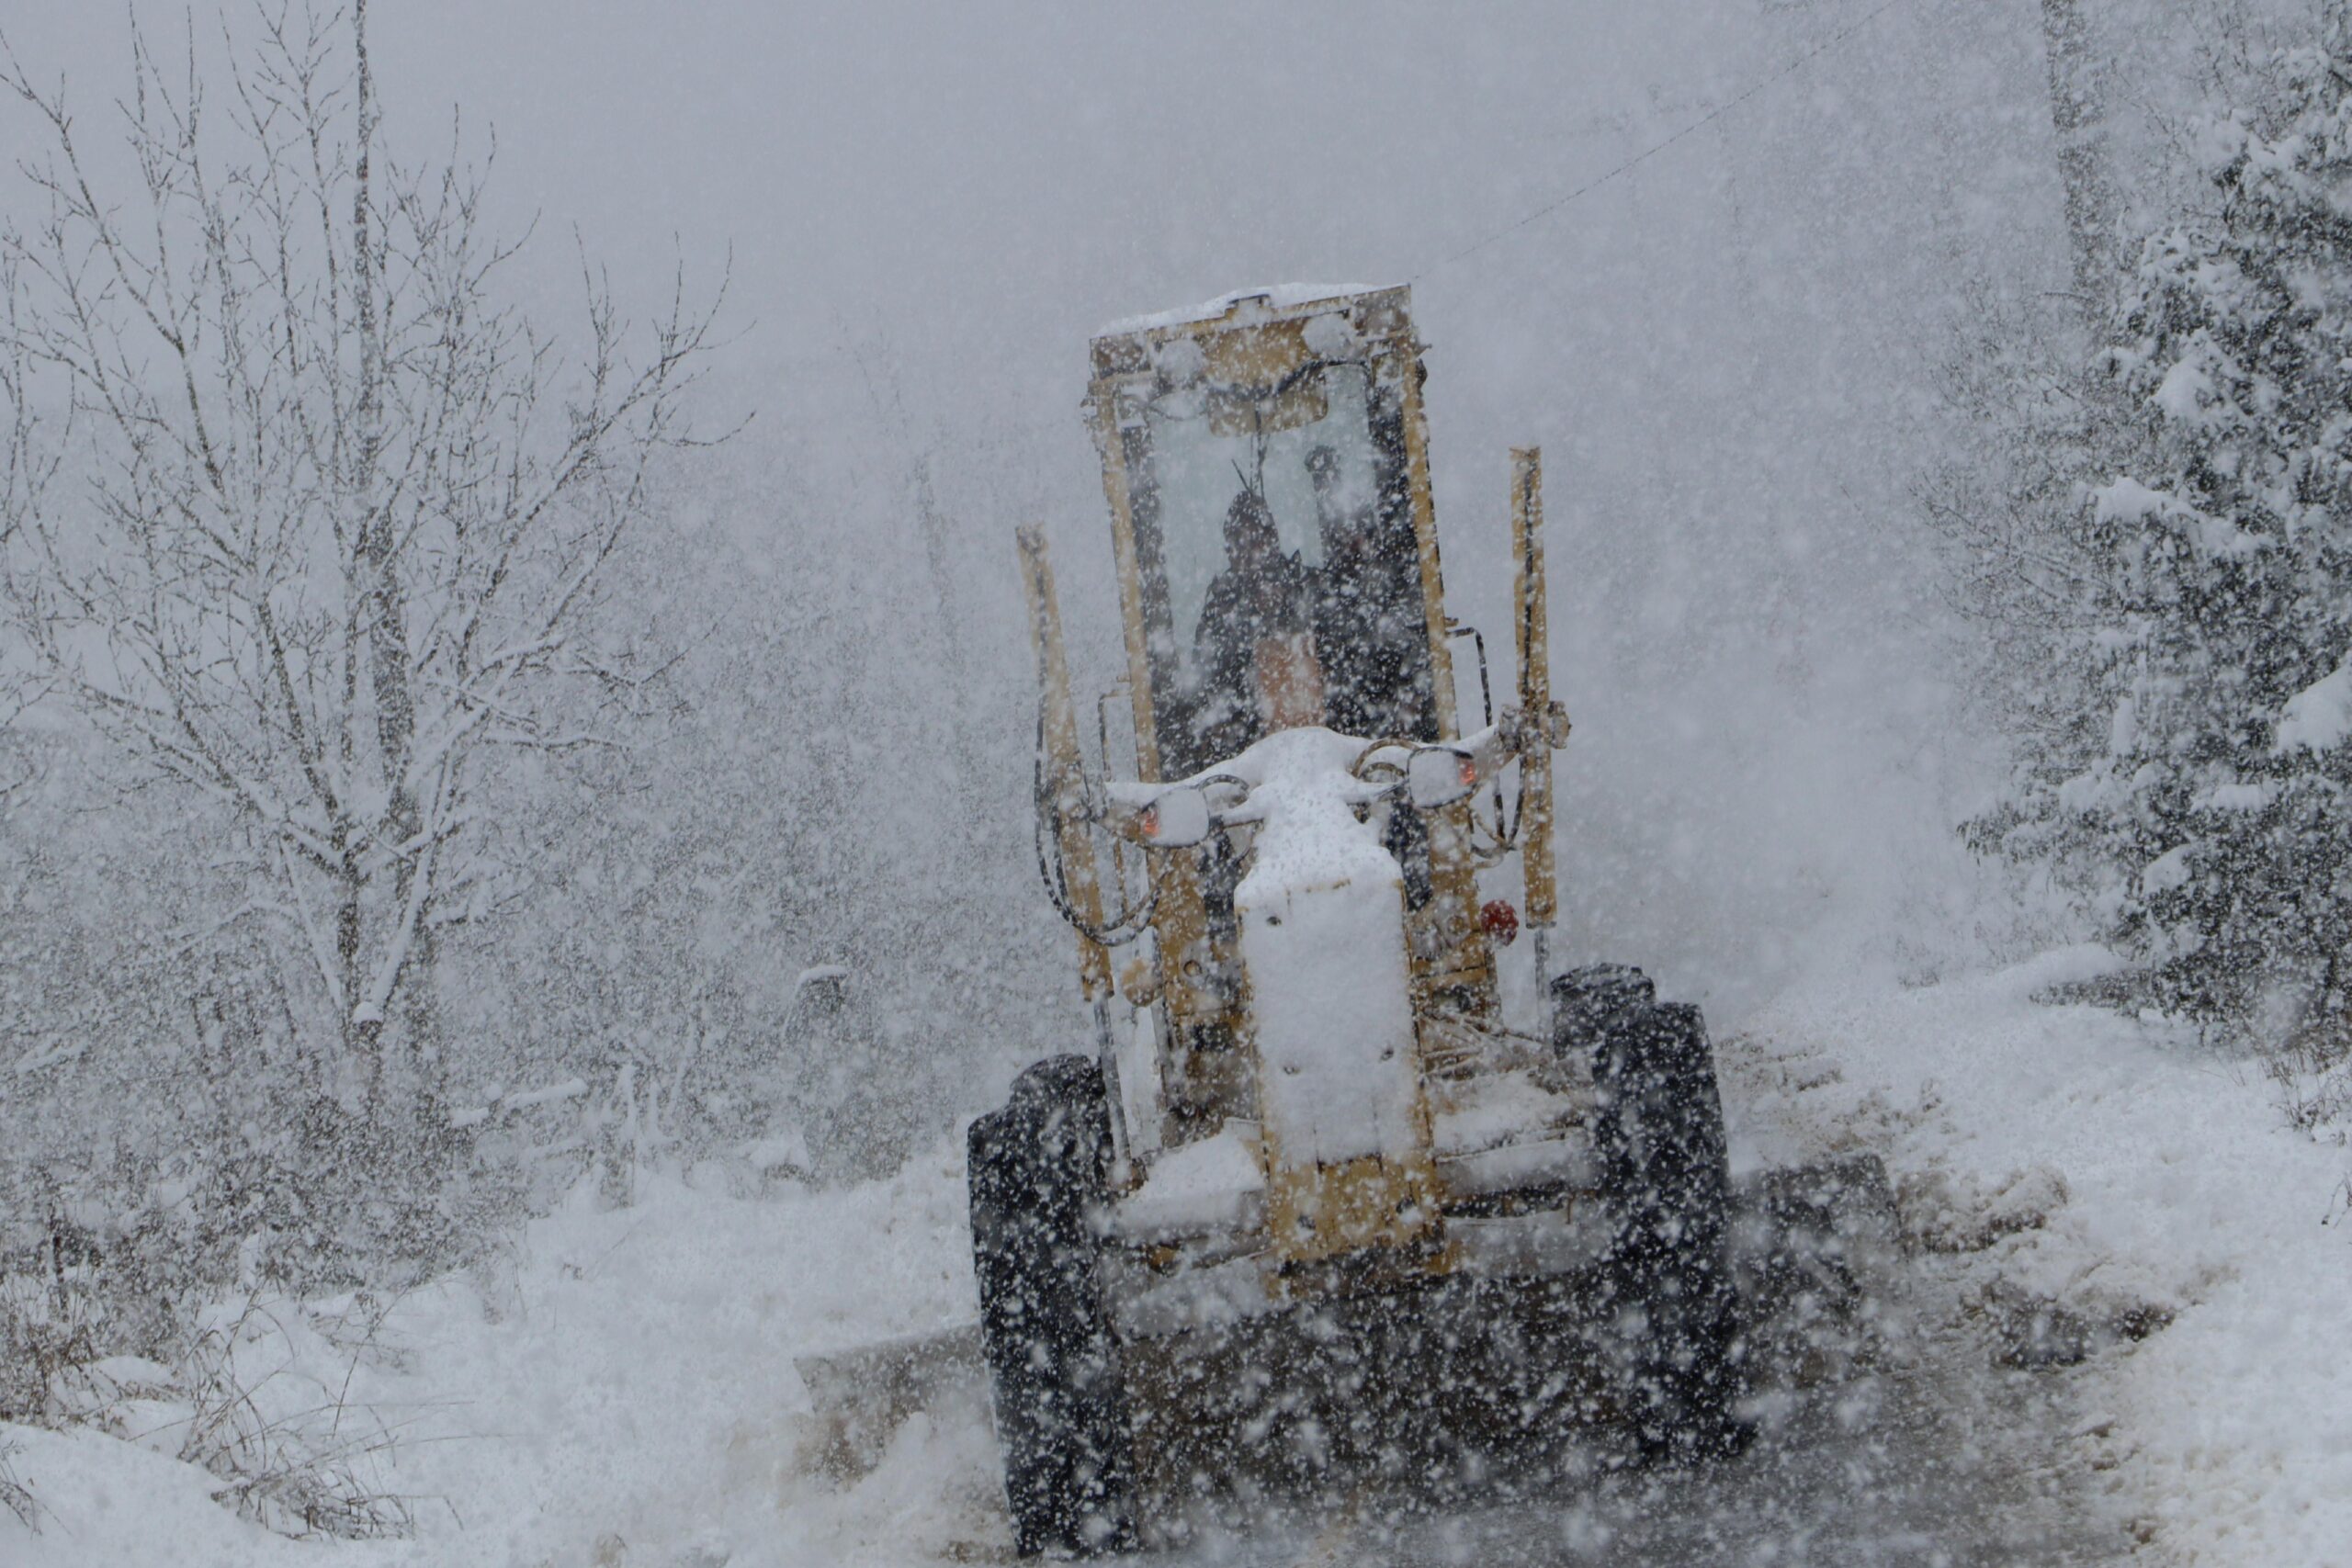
(2096, 1176)
(620, 1391)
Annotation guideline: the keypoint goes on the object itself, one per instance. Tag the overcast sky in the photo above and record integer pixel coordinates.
(991, 182)
(1726, 351)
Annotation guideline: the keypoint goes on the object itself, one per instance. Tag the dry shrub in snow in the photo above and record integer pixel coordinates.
(13, 1496)
(2312, 1068)
(254, 1392)
(293, 1453)
(47, 1337)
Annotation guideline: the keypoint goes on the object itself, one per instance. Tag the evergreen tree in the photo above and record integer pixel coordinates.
(2204, 811)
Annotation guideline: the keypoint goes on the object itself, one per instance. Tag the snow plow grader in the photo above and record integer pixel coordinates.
(1334, 1192)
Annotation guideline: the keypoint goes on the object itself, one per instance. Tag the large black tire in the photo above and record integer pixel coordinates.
(1039, 1182)
(1659, 1135)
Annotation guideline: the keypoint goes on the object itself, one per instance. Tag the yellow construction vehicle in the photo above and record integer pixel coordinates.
(1315, 1201)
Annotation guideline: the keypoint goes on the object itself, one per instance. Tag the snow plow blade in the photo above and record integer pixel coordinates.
(858, 1397)
(1795, 1233)
(1822, 1208)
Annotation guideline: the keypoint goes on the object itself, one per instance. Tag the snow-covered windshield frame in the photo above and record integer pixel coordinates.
(1141, 384)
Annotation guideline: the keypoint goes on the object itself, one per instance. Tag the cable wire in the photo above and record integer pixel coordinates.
(1713, 115)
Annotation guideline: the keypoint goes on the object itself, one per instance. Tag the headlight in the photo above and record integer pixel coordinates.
(1440, 775)
(1175, 819)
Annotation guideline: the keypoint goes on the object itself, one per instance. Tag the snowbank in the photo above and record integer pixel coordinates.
(104, 1500)
(617, 1392)
(2122, 1175)
(629, 1379)
(2318, 717)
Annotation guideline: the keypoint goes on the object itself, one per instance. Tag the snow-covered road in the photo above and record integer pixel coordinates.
(1922, 1454)
(2109, 1185)
(619, 1391)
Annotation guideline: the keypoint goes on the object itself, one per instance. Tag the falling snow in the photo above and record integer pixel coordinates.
(542, 1023)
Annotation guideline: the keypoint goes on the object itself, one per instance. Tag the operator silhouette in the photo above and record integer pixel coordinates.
(1255, 643)
(1368, 627)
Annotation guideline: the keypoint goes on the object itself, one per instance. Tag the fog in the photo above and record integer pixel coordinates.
(553, 1036)
(1727, 351)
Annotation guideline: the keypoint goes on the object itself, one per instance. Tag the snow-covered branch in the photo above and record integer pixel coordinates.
(295, 508)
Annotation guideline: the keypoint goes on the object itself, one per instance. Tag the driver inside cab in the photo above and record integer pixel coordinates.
(1255, 643)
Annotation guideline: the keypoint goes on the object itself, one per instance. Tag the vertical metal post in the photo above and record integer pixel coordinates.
(1063, 769)
(1106, 1052)
(1063, 794)
(1531, 638)
(1403, 368)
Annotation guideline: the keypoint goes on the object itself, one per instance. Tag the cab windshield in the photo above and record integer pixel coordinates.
(1283, 577)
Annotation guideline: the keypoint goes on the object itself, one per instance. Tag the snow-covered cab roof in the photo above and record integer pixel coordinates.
(1373, 310)
(1268, 297)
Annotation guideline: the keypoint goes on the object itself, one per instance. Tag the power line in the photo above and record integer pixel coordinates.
(1790, 69)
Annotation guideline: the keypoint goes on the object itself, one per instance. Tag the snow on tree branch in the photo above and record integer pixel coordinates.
(298, 510)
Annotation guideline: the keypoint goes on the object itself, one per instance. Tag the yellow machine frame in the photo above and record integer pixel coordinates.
(1207, 1048)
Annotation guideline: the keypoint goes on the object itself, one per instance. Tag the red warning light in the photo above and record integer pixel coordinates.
(1499, 920)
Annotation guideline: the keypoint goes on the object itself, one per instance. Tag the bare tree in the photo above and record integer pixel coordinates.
(2078, 116)
(301, 513)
